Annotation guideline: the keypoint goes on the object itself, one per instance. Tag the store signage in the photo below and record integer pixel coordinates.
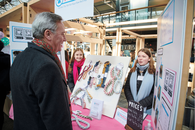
(74, 9)
(135, 115)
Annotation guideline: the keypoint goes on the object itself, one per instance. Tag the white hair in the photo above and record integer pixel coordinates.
(43, 21)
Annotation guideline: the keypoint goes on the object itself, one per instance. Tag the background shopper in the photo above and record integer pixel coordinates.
(66, 63)
(4, 80)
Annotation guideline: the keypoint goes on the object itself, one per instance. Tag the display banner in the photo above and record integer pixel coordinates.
(20, 35)
(73, 9)
(169, 65)
(135, 115)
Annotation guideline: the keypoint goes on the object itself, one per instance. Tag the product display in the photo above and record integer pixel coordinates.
(116, 74)
(101, 78)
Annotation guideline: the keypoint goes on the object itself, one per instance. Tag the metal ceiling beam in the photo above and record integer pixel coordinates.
(97, 10)
(9, 4)
(114, 4)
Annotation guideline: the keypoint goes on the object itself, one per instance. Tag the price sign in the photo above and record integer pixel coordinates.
(135, 115)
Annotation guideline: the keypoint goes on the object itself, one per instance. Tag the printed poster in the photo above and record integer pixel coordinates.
(166, 25)
(164, 116)
(169, 84)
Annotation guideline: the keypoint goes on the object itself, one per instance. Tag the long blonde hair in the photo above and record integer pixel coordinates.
(151, 69)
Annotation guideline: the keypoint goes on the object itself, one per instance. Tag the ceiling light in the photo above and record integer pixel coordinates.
(131, 28)
(132, 22)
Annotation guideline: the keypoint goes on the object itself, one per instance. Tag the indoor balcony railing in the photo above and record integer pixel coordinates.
(150, 12)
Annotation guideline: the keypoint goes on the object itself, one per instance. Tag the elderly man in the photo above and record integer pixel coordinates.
(40, 95)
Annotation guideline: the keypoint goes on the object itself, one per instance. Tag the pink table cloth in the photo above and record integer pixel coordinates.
(106, 123)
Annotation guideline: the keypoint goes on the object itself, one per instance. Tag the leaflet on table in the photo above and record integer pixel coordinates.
(121, 116)
(96, 108)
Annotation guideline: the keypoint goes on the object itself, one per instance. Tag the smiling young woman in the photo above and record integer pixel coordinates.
(75, 66)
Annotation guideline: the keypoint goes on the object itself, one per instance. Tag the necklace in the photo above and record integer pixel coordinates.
(110, 82)
(85, 73)
(79, 120)
(94, 73)
(105, 70)
(80, 97)
(116, 75)
(118, 72)
(80, 94)
(86, 69)
(77, 112)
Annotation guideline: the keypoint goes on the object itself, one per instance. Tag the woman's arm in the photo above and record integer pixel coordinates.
(127, 89)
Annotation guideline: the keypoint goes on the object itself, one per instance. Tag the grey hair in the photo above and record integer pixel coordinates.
(43, 21)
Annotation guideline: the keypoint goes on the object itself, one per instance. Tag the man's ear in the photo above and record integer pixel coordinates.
(47, 34)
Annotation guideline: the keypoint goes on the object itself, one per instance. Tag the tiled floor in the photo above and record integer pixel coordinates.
(122, 100)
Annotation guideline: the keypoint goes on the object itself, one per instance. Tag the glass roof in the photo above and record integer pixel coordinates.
(6, 5)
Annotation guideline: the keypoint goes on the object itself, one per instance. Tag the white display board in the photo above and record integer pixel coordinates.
(166, 24)
(170, 48)
(73, 9)
(110, 102)
(20, 35)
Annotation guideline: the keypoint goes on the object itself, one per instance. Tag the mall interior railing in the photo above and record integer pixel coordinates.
(149, 12)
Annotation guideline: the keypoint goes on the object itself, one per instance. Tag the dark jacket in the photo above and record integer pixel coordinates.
(39, 91)
(71, 78)
(147, 101)
(4, 73)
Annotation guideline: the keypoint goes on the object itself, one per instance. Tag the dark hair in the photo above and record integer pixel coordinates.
(1, 45)
(66, 56)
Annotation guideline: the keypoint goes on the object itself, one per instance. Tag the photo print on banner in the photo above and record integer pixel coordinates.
(169, 84)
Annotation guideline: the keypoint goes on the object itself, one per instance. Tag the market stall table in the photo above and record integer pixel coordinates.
(105, 123)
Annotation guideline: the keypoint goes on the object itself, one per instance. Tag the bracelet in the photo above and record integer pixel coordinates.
(79, 120)
(77, 112)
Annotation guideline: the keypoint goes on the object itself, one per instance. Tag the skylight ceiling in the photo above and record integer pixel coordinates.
(6, 5)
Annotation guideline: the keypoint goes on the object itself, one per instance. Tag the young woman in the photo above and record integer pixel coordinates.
(140, 81)
(75, 66)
